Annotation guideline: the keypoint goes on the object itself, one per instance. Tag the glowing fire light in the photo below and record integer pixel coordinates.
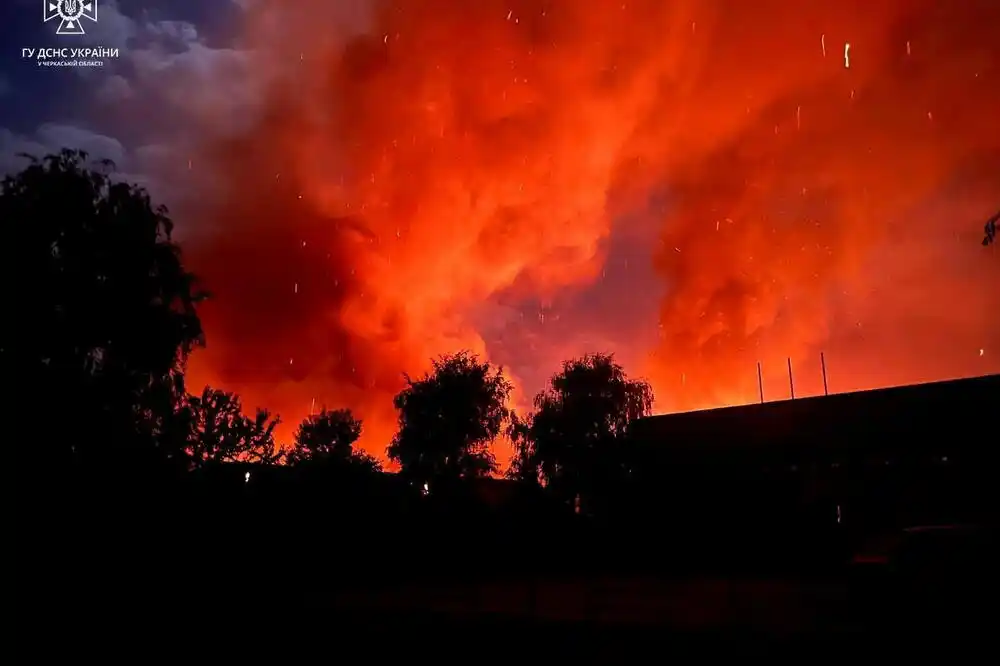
(452, 180)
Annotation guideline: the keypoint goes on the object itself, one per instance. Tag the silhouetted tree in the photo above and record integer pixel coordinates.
(449, 418)
(217, 430)
(523, 466)
(100, 312)
(329, 437)
(991, 229)
(575, 437)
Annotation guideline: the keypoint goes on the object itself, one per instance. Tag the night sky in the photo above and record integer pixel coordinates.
(695, 186)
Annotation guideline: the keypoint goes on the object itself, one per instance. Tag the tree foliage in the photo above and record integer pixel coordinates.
(449, 418)
(524, 465)
(329, 438)
(575, 439)
(103, 310)
(217, 430)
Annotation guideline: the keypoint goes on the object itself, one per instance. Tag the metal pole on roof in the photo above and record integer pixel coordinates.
(791, 384)
(822, 362)
(760, 383)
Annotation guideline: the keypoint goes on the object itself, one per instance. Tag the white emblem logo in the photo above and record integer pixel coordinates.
(70, 14)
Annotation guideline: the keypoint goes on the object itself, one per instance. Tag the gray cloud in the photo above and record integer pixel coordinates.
(52, 137)
(144, 106)
(12, 146)
(114, 90)
(113, 29)
(168, 87)
(99, 146)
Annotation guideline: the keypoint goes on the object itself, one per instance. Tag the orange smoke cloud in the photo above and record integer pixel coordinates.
(450, 156)
(836, 210)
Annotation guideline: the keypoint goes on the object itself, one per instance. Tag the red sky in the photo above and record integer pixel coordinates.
(695, 185)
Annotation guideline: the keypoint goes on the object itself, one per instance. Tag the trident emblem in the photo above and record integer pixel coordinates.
(70, 14)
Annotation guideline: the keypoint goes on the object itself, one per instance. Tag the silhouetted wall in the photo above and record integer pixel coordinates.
(863, 460)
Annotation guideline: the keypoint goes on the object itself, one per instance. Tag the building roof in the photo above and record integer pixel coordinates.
(957, 410)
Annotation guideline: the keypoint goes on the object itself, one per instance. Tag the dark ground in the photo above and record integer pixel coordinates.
(218, 621)
(513, 600)
(132, 570)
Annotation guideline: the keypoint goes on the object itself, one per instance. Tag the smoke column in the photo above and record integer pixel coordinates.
(400, 185)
